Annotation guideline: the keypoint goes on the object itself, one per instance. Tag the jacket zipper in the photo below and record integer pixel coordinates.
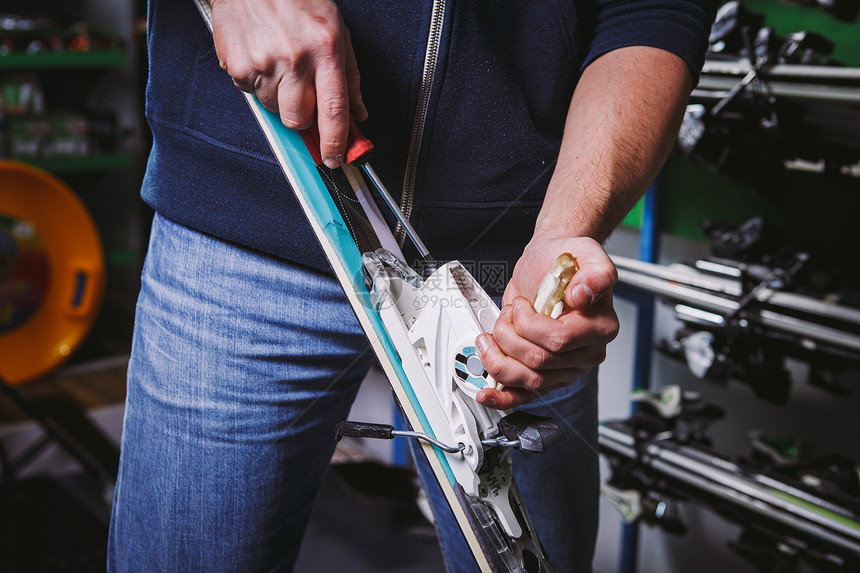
(437, 19)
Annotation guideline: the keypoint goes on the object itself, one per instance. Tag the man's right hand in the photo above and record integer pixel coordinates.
(296, 57)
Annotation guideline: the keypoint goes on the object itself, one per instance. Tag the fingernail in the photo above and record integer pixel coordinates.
(484, 399)
(582, 296)
(333, 162)
(482, 344)
(522, 304)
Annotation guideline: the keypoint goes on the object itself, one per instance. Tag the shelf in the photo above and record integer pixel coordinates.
(91, 163)
(55, 60)
(821, 83)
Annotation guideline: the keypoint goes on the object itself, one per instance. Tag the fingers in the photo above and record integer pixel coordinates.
(595, 278)
(509, 371)
(332, 110)
(299, 62)
(296, 103)
(508, 398)
(531, 354)
(544, 342)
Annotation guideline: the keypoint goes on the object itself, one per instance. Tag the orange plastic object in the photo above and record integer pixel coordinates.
(52, 272)
(357, 146)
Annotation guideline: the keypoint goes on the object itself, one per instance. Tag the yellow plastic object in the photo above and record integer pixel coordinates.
(52, 272)
(551, 289)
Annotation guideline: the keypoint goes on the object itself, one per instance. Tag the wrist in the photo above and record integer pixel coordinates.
(550, 228)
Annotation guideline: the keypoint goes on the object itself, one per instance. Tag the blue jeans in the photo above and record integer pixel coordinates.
(241, 366)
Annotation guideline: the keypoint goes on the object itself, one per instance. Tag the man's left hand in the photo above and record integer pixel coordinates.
(532, 354)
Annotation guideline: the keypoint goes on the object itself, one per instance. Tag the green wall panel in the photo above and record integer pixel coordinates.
(786, 18)
(693, 194)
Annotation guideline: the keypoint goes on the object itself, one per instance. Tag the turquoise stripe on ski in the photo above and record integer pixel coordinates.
(304, 170)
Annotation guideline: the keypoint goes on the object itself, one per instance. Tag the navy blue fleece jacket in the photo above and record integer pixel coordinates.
(506, 73)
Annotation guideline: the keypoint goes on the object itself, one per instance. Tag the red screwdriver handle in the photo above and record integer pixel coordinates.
(357, 146)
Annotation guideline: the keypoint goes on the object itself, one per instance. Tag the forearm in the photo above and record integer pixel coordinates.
(623, 119)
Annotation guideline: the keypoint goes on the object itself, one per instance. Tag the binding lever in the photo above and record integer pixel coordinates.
(521, 431)
(387, 432)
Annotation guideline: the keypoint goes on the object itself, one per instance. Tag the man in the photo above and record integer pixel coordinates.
(516, 131)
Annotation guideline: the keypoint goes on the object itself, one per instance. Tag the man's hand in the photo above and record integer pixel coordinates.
(297, 57)
(532, 354)
(622, 122)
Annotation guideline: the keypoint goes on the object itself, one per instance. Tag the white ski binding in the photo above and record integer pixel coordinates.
(433, 324)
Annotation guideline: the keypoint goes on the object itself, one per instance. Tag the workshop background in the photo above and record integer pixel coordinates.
(739, 301)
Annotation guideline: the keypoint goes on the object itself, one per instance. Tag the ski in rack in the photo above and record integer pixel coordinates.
(422, 331)
(741, 320)
(803, 514)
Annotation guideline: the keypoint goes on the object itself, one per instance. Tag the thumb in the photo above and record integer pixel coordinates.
(596, 277)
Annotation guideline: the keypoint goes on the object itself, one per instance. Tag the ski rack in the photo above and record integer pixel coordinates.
(723, 302)
(827, 95)
(809, 82)
(805, 113)
(422, 331)
(795, 516)
(818, 320)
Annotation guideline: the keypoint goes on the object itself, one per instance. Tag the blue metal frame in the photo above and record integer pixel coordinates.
(398, 447)
(649, 248)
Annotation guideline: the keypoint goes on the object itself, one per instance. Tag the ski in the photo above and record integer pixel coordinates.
(422, 331)
(742, 320)
(662, 455)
